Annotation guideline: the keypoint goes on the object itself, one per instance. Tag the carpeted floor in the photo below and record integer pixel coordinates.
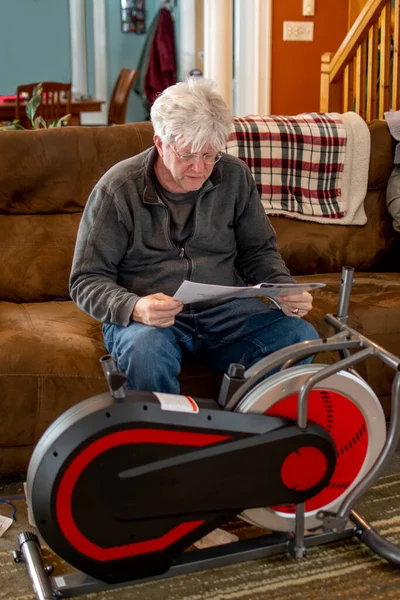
(337, 571)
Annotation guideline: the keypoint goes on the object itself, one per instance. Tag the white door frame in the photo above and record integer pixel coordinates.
(252, 57)
(252, 33)
(77, 30)
(187, 37)
(79, 56)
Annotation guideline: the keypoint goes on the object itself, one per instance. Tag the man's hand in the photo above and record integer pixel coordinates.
(158, 310)
(297, 305)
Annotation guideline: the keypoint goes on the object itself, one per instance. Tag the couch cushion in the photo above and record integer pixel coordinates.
(51, 171)
(314, 248)
(35, 256)
(49, 361)
(381, 161)
(46, 177)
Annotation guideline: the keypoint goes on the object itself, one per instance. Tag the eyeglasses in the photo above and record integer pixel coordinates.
(209, 158)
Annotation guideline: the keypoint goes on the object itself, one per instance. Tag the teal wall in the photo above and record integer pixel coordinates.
(124, 50)
(35, 44)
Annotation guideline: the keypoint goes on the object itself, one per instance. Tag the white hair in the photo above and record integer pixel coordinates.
(193, 113)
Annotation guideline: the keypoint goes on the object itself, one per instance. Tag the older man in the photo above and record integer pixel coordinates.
(182, 210)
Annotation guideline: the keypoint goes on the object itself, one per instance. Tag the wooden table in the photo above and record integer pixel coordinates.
(78, 106)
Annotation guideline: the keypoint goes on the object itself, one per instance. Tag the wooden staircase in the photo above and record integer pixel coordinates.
(363, 75)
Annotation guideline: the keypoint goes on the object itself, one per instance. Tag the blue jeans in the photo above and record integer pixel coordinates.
(240, 331)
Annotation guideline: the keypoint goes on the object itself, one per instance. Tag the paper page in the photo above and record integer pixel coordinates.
(190, 292)
(216, 538)
(5, 523)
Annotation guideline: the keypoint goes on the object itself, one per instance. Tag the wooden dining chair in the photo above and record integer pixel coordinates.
(55, 103)
(120, 96)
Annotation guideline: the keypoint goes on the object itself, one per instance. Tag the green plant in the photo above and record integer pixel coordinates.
(31, 108)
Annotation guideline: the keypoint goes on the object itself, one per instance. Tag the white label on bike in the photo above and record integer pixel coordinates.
(60, 581)
(177, 403)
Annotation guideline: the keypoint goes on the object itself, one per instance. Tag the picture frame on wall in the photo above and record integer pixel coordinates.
(133, 16)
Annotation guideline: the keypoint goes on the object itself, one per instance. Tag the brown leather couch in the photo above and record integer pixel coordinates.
(50, 350)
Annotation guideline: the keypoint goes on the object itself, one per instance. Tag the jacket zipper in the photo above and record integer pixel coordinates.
(189, 261)
(182, 254)
(181, 248)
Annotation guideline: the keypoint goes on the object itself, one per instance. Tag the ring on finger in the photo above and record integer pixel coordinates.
(295, 311)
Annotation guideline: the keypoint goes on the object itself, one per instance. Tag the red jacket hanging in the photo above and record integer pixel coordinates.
(161, 68)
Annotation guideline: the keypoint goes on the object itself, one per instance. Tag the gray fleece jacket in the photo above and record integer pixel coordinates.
(124, 248)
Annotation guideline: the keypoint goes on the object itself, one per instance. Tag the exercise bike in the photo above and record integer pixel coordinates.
(123, 483)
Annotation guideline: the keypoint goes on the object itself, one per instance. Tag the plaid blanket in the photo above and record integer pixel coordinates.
(296, 161)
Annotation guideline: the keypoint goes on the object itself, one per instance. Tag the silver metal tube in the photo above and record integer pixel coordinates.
(374, 540)
(344, 294)
(302, 401)
(40, 580)
(297, 548)
(341, 336)
(388, 358)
